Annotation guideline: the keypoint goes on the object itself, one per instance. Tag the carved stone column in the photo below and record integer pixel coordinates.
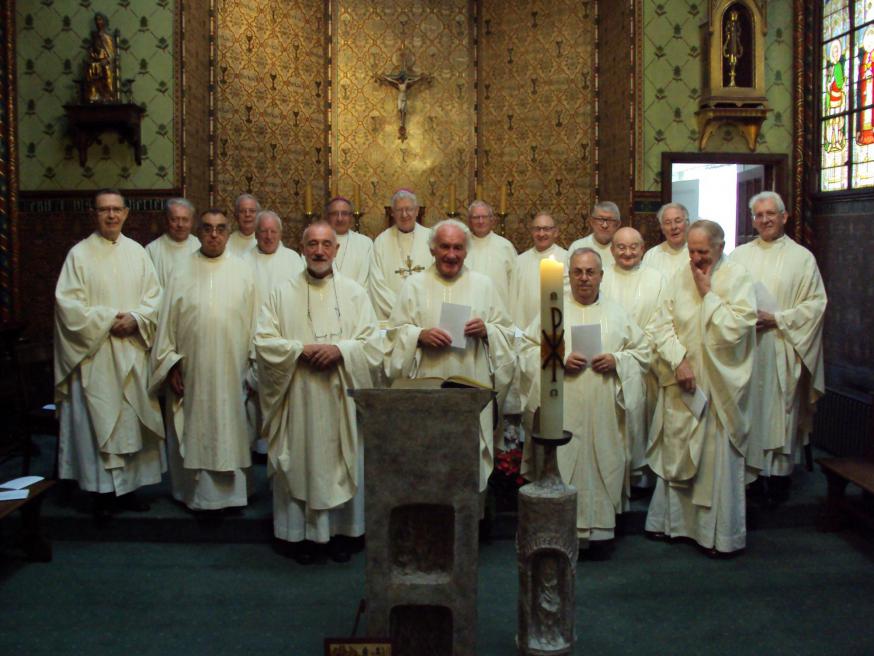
(547, 548)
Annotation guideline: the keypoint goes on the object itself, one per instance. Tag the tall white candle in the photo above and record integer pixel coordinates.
(551, 348)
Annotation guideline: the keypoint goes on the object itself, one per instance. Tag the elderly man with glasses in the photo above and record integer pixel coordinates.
(354, 250)
(603, 222)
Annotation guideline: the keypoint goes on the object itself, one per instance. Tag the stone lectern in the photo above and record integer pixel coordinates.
(421, 496)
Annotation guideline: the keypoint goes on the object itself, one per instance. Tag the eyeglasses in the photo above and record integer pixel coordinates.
(340, 213)
(406, 211)
(767, 214)
(213, 230)
(603, 220)
(103, 211)
(543, 228)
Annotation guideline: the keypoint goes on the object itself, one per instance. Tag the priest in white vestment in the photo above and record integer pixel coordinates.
(525, 292)
(201, 358)
(354, 250)
(597, 390)
(398, 252)
(316, 338)
(106, 309)
(490, 254)
(177, 243)
(788, 375)
(603, 222)
(417, 347)
(246, 210)
(704, 335)
(272, 264)
(671, 255)
(638, 289)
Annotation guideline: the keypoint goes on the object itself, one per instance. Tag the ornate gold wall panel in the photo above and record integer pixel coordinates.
(195, 102)
(536, 86)
(440, 146)
(270, 104)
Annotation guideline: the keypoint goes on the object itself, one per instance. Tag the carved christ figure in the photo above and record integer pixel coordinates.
(403, 81)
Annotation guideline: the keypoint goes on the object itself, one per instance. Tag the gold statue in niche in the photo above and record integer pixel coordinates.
(100, 84)
(732, 48)
(403, 80)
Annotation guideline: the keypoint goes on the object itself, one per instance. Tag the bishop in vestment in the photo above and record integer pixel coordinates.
(354, 250)
(604, 221)
(106, 309)
(316, 339)
(671, 255)
(704, 339)
(597, 391)
(398, 252)
(177, 243)
(201, 358)
(788, 373)
(417, 347)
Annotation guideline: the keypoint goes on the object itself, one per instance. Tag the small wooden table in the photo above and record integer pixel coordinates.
(36, 546)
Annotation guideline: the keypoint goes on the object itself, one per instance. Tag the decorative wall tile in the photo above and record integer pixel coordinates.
(51, 45)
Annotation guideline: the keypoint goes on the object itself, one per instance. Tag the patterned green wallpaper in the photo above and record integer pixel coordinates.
(51, 44)
(672, 64)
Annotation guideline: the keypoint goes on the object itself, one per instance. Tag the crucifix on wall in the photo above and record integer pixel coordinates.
(403, 80)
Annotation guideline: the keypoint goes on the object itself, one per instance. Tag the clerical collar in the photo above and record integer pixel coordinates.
(109, 241)
(774, 242)
(315, 280)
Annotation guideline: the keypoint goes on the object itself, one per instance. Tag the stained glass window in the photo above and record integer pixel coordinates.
(847, 99)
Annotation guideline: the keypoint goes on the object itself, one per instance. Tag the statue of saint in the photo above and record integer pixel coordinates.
(101, 66)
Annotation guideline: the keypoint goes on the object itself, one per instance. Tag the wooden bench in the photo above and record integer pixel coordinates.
(839, 473)
(32, 541)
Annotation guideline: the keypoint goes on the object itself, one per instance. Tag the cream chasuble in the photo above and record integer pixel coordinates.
(788, 375)
(639, 292)
(700, 491)
(354, 256)
(309, 420)
(166, 254)
(396, 256)
(239, 244)
(525, 292)
(595, 461)
(667, 260)
(207, 320)
(272, 270)
(589, 241)
(490, 363)
(101, 380)
(495, 257)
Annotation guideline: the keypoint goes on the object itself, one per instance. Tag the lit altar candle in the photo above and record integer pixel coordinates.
(308, 199)
(551, 348)
(502, 206)
(356, 197)
(452, 197)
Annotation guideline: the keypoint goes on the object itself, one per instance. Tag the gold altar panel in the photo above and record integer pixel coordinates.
(270, 127)
(536, 90)
(366, 148)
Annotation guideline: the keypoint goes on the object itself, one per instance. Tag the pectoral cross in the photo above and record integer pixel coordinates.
(410, 270)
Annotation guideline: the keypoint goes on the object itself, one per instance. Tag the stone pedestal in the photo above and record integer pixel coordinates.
(421, 500)
(547, 549)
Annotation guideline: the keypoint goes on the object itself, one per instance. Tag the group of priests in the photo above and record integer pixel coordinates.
(213, 344)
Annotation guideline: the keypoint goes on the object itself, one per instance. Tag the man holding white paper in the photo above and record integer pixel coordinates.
(704, 337)
(607, 357)
(427, 319)
(788, 368)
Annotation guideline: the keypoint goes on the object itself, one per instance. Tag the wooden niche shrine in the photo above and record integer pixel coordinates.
(733, 43)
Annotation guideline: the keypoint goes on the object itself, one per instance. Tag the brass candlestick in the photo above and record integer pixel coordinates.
(309, 216)
(453, 215)
(502, 222)
(357, 216)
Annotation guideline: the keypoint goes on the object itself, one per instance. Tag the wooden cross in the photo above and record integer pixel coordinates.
(410, 270)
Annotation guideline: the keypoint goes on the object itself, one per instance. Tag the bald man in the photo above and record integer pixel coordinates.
(638, 289)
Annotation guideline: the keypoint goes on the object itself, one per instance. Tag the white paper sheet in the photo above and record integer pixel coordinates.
(20, 483)
(586, 340)
(13, 495)
(452, 319)
(696, 402)
(765, 301)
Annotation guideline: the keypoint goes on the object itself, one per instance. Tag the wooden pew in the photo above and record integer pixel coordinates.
(839, 473)
(35, 546)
